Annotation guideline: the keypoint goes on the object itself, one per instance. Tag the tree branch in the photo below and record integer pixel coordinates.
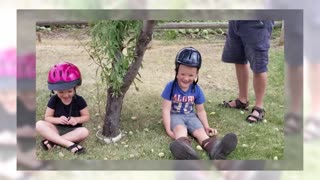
(141, 46)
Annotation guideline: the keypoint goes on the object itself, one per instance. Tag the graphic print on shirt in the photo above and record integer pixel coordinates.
(182, 104)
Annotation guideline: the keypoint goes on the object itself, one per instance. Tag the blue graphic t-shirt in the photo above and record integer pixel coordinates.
(183, 102)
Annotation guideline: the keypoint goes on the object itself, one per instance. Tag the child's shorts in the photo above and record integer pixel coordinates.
(190, 121)
(62, 129)
(248, 41)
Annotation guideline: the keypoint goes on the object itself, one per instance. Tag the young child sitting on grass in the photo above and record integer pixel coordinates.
(66, 110)
(180, 96)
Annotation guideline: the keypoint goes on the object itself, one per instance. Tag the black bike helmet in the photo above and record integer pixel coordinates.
(188, 56)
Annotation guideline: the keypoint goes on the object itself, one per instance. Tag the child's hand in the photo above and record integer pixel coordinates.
(171, 134)
(63, 120)
(72, 121)
(211, 132)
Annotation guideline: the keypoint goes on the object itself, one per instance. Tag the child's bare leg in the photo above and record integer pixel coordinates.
(50, 132)
(200, 134)
(180, 131)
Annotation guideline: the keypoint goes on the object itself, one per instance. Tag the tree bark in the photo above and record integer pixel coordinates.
(111, 127)
(112, 117)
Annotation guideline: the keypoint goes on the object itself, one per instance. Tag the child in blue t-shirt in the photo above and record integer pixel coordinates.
(183, 112)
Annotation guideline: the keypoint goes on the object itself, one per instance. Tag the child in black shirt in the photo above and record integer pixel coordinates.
(66, 111)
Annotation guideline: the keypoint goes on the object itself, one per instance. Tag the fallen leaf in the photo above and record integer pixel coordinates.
(61, 154)
(244, 145)
(212, 113)
(199, 148)
(253, 145)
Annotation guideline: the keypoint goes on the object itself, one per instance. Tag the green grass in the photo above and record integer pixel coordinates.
(148, 138)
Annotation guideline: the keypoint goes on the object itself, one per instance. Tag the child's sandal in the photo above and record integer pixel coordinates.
(44, 144)
(79, 149)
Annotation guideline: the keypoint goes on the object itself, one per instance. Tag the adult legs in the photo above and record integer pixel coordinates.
(242, 73)
(259, 86)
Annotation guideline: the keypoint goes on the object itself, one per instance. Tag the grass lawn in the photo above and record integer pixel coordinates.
(145, 136)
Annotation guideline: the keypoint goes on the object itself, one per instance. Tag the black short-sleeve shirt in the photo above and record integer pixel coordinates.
(60, 109)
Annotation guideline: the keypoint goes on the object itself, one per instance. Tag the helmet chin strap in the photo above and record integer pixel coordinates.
(174, 82)
(51, 93)
(75, 93)
(73, 97)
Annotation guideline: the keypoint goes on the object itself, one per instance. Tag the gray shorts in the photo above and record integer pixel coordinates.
(190, 121)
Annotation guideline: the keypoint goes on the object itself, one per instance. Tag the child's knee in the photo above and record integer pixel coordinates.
(84, 132)
(179, 128)
(40, 125)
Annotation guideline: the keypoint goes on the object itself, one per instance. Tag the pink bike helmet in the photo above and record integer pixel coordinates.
(64, 76)
(26, 71)
(8, 68)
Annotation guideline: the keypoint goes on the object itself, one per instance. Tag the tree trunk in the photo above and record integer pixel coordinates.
(114, 104)
(112, 116)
